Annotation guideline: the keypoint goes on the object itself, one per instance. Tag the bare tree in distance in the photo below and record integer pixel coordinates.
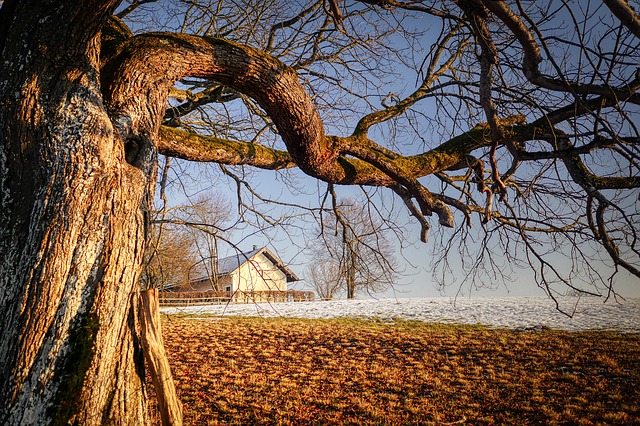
(352, 253)
(507, 129)
(323, 278)
(184, 237)
(184, 242)
(170, 258)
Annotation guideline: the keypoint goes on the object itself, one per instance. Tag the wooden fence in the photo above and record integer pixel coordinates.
(192, 298)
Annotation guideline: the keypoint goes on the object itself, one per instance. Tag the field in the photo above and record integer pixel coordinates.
(252, 371)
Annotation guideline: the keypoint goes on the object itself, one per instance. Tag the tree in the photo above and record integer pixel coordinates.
(169, 259)
(353, 253)
(519, 134)
(184, 241)
(206, 216)
(324, 278)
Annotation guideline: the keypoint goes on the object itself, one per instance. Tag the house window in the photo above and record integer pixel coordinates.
(227, 288)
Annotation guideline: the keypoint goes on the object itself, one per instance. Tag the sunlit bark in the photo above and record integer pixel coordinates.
(75, 217)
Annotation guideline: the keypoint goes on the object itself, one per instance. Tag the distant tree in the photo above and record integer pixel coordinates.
(324, 278)
(170, 257)
(184, 238)
(202, 221)
(353, 253)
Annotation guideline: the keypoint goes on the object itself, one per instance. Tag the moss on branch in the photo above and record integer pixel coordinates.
(195, 147)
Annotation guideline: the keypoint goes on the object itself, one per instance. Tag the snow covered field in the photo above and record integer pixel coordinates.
(510, 312)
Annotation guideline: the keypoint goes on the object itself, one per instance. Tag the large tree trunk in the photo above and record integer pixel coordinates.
(74, 215)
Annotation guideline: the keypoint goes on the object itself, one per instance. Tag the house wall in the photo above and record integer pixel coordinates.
(256, 275)
(202, 285)
(259, 274)
(226, 283)
(205, 284)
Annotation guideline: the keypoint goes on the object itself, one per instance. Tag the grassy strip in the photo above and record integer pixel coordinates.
(243, 371)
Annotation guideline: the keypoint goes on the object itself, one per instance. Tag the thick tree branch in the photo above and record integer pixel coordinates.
(477, 14)
(195, 147)
(170, 57)
(277, 89)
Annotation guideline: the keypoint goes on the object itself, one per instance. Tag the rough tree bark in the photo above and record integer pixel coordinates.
(75, 211)
(79, 127)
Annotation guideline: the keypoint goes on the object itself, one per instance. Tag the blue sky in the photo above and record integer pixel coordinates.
(415, 257)
(415, 278)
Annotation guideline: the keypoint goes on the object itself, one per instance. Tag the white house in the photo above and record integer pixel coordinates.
(258, 272)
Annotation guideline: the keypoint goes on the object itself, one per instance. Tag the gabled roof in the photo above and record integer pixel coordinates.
(228, 265)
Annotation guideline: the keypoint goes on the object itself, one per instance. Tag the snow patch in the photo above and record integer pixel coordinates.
(516, 313)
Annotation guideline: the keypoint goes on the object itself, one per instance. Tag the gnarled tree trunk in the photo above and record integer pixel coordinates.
(75, 203)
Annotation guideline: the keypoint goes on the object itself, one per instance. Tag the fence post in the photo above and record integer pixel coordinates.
(151, 337)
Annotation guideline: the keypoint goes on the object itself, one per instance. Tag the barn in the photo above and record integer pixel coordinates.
(253, 276)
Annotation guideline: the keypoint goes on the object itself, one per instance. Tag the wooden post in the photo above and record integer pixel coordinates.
(156, 358)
